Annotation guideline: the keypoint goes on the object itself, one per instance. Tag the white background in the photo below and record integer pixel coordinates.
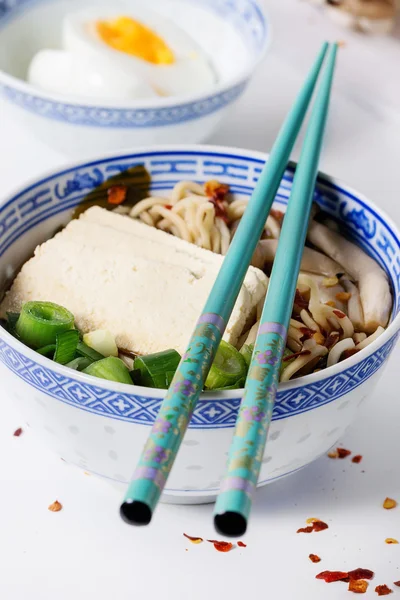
(85, 551)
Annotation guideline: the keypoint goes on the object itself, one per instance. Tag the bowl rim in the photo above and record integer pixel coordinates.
(128, 389)
(15, 83)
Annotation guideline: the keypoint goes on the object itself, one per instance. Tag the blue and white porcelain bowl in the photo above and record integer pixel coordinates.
(235, 35)
(101, 426)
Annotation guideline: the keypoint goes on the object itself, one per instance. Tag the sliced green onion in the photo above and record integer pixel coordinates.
(79, 364)
(102, 341)
(84, 350)
(247, 352)
(66, 345)
(156, 370)
(47, 350)
(236, 386)
(12, 319)
(110, 368)
(40, 322)
(228, 368)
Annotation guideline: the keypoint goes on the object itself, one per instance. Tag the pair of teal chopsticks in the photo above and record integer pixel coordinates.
(234, 502)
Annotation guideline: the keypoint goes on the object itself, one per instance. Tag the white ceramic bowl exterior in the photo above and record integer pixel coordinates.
(233, 33)
(102, 426)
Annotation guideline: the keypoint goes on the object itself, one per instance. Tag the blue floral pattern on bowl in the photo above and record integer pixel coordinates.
(58, 194)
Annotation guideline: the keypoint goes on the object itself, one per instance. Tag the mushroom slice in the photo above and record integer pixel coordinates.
(354, 307)
(312, 261)
(372, 281)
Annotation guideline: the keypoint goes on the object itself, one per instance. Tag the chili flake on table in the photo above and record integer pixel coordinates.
(221, 546)
(389, 503)
(339, 453)
(314, 558)
(17, 432)
(319, 526)
(391, 541)
(360, 574)
(396, 583)
(55, 506)
(357, 459)
(343, 453)
(242, 545)
(383, 590)
(331, 576)
(358, 586)
(316, 525)
(355, 575)
(194, 540)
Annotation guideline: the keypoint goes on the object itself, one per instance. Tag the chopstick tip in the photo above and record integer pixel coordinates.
(135, 512)
(230, 524)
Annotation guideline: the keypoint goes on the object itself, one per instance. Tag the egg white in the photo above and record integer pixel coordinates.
(63, 72)
(190, 73)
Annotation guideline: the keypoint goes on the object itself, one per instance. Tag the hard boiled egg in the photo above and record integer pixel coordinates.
(147, 46)
(59, 71)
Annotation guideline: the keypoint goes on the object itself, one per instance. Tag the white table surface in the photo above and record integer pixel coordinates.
(85, 551)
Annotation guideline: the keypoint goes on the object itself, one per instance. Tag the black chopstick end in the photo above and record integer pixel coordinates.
(231, 524)
(135, 513)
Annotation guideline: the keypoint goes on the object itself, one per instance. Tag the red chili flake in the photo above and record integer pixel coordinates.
(339, 314)
(296, 354)
(17, 432)
(221, 546)
(194, 540)
(396, 583)
(299, 300)
(358, 586)
(307, 333)
(331, 576)
(314, 558)
(242, 545)
(360, 574)
(357, 459)
(168, 206)
(307, 529)
(342, 452)
(215, 189)
(331, 340)
(116, 194)
(319, 526)
(383, 590)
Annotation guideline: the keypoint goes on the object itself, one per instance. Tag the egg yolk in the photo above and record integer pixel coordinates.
(129, 36)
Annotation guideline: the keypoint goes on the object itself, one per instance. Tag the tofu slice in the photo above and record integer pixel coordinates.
(176, 250)
(148, 293)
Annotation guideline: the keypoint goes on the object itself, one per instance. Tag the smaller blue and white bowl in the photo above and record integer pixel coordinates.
(101, 426)
(235, 35)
